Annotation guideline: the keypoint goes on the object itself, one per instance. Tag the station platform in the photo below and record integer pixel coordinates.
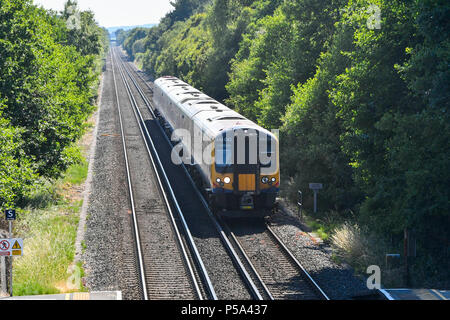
(415, 294)
(104, 295)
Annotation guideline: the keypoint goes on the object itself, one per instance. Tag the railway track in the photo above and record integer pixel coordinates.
(165, 267)
(282, 278)
(278, 271)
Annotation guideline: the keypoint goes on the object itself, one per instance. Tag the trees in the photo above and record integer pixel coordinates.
(185, 52)
(283, 50)
(135, 35)
(120, 36)
(396, 118)
(311, 124)
(47, 79)
(81, 30)
(16, 171)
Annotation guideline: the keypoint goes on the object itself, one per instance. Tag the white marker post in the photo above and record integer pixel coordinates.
(3, 287)
(315, 187)
(10, 216)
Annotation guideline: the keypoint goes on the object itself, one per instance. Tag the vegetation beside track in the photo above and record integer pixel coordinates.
(49, 75)
(49, 227)
(50, 63)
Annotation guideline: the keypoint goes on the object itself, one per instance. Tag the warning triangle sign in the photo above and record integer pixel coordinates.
(16, 245)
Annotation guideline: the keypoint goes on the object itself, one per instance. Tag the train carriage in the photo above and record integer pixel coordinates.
(238, 160)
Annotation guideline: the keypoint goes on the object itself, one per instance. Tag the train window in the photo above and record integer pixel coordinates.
(224, 158)
(224, 155)
(265, 154)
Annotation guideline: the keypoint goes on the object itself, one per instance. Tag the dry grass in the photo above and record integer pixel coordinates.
(360, 250)
(352, 246)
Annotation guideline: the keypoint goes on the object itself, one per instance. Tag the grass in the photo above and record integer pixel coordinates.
(77, 173)
(49, 233)
(323, 224)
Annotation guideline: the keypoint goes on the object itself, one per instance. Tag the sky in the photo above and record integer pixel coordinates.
(112, 13)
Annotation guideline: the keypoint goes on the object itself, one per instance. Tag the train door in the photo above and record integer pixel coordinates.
(246, 166)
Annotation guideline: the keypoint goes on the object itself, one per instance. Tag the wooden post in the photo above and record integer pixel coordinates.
(405, 252)
(300, 204)
(315, 201)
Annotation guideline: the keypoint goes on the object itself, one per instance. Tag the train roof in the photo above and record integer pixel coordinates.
(211, 114)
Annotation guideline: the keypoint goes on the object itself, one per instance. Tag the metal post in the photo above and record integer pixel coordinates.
(315, 187)
(315, 201)
(11, 263)
(405, 251)
(300, 204)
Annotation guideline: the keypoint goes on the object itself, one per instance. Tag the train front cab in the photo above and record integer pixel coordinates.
(245, 173)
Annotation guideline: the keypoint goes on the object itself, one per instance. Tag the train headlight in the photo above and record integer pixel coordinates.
(265, 180)
(274, 179)
(227, 180)
(218, 180)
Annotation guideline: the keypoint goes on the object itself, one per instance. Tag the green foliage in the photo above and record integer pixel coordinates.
(392, 102)
(133, 43)
(311, 124)
(16, 172)
(48, 78)
(280, 50)
(121, 35)
(49, 248)
(185, 51)
(82, 31)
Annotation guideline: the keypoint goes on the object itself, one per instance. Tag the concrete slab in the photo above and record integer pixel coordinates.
(416, 294)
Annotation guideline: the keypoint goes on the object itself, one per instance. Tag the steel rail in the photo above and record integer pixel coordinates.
(305, 273)
(190, 240)
(242, 270)
(130, 190)
(248, 260)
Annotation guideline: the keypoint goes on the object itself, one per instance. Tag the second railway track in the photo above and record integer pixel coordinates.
(164, 268)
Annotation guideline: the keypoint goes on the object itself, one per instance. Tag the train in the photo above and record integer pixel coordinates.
(236, 159)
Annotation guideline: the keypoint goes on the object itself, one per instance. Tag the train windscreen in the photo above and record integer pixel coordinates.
(238, 152)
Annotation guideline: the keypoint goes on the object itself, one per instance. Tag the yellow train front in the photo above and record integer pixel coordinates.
(245, 172)
(236, 160)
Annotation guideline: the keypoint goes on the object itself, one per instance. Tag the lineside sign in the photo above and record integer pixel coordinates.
(11, 247)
